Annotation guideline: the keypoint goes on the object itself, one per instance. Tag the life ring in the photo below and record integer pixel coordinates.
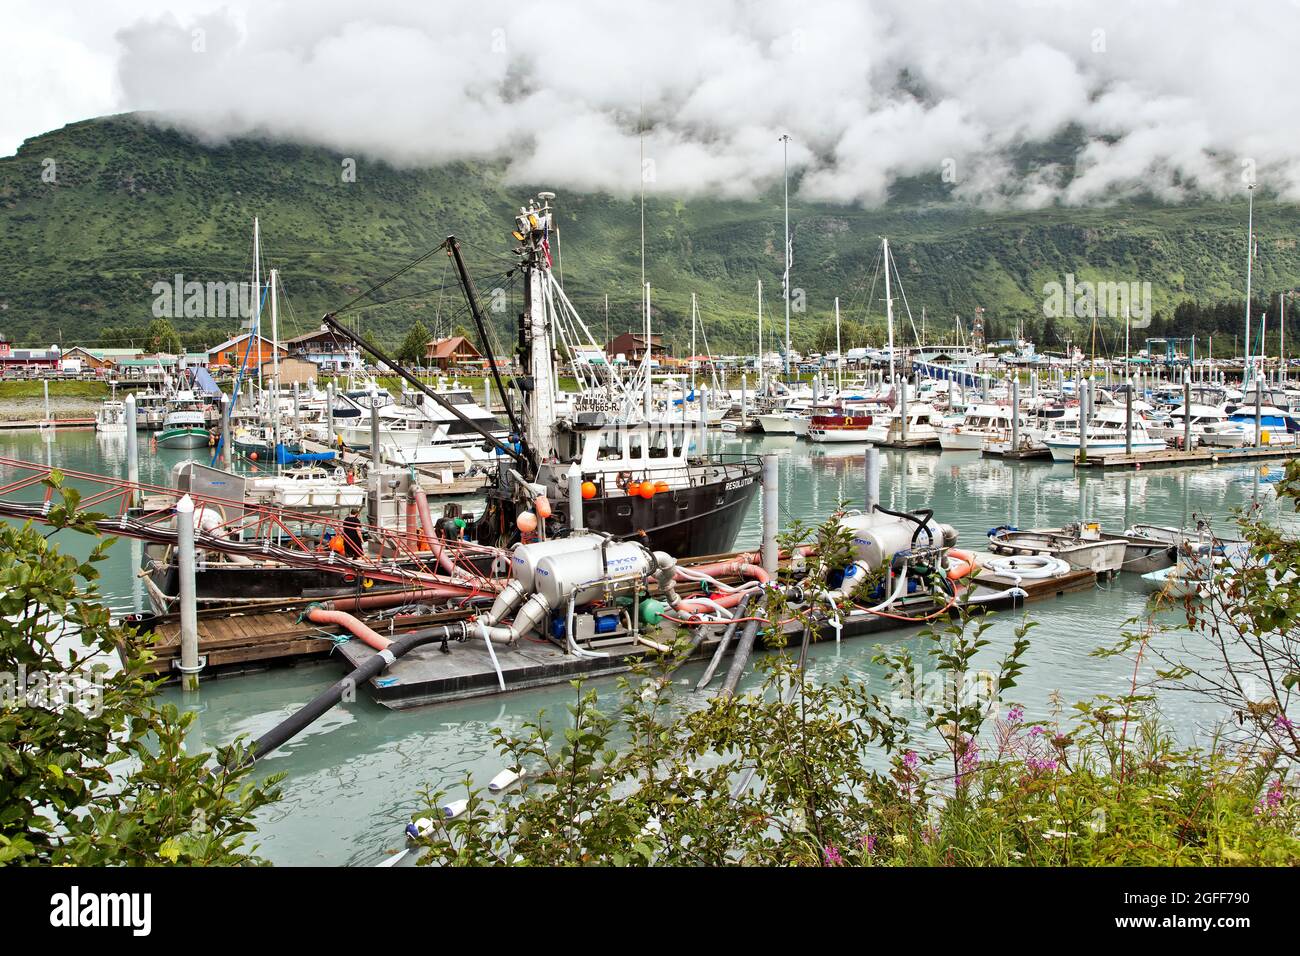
(961, 564)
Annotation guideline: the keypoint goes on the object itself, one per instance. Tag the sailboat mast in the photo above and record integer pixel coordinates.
(839, 353)
(256, 330)
(785, 147)
(273, 408)
(889, 307)
(760, 334)
(692, 342)
(1250, 255)
(645, 357)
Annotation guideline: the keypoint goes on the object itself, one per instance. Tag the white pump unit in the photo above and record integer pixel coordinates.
(878, 536)
(581, 568)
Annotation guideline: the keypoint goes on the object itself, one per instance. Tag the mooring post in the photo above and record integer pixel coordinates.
(1128, 418)
(769, 513)
(132, 448)
(189, 666)
(1259, 400)
(329, 412)
(226, 455)
(703, 407)
(574, 475)
(744, 401)
(902, 412)
(873, 478)
(1015, 414)
(1083, 420)
(1187, 411)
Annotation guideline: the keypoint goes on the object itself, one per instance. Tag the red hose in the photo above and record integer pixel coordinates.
(358, 629)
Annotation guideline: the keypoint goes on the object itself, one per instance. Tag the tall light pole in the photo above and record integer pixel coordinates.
(1250, 256)
(785, 164)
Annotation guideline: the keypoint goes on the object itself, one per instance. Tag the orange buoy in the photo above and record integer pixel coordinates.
(588, 490)
(661, 487)
(634, 488)
(526, 522)
(647, 489)
(252, 455)
(336, 543)
(543, 506)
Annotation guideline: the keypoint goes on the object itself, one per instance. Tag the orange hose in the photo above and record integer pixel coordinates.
(358, 629)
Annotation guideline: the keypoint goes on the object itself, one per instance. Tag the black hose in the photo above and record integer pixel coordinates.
(744, 647)
(290, 727)
(926, 514)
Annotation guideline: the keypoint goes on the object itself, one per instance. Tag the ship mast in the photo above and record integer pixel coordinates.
(534, 224)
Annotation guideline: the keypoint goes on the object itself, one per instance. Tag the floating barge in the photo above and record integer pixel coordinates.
(235, 642)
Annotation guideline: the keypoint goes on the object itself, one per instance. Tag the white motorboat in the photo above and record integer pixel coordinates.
(981, 423)
(1107, 433)
(309, 489)
(110, 419)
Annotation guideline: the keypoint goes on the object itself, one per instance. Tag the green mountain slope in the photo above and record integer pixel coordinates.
(133, 204)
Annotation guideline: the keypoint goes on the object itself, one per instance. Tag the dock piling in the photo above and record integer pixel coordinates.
(132, 448)
(770, 523)
(1187, 412)
(226, 455)
(1015, 414)
(189, 665)
(1128, 419)
(744, 401)
(1083, 420)
(1259, 400)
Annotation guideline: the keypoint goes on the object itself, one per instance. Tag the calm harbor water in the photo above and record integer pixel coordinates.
(353, 777)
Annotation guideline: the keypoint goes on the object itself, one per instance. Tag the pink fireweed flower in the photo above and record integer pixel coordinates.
(910, 760)
(832, 856)
(1016, 714)
(1271, 803)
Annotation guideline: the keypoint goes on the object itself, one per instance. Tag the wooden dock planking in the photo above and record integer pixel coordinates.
(1197, 456)
(234, 641)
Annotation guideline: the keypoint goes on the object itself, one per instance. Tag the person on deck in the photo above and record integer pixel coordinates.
(353, 539)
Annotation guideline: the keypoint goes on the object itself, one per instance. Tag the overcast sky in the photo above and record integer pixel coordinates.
(1171, 96)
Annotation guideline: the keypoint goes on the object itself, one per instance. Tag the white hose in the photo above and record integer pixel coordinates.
(1032, 567)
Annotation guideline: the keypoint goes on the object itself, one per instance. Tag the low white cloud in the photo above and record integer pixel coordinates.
(1167, 97)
